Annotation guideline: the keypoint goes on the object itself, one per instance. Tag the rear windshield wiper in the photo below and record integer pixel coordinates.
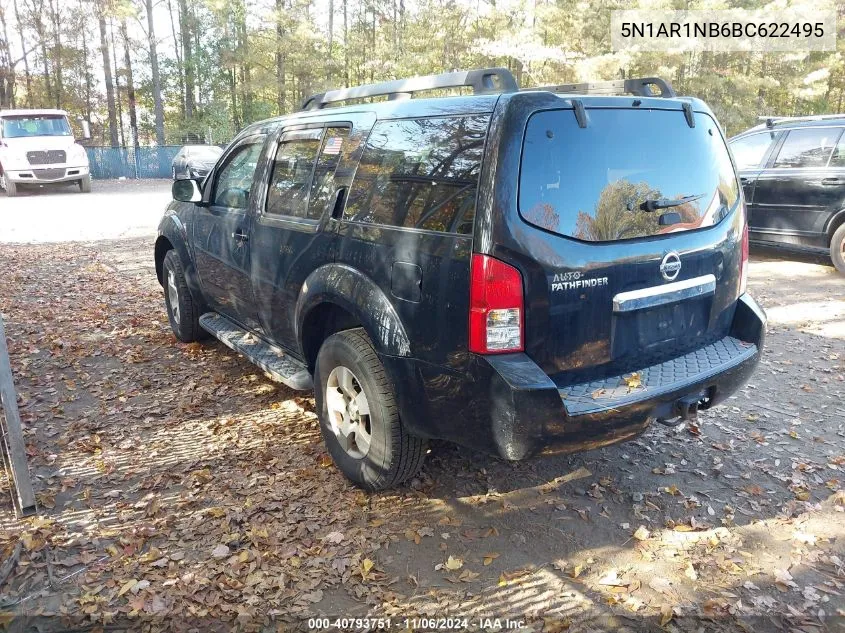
(663, 203)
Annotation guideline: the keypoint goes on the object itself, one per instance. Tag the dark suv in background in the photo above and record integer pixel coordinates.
(793, 174)
(515, 271)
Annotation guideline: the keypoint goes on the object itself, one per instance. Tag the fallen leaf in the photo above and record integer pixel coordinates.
(454, 564)
(490, 557)
(633, 380)
(642, 533)
(221, 551)
(128, 586)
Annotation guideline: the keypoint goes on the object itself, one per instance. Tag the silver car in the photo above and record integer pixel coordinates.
(195, 161)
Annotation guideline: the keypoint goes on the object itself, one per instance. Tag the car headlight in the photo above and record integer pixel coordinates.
(14, 160)
(77, 154)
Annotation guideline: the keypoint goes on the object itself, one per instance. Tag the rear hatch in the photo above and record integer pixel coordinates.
(629, 236)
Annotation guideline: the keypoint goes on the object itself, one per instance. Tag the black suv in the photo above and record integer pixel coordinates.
(515, 271)
(793, 173)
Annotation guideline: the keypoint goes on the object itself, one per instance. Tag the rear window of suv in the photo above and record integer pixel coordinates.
(595, 183)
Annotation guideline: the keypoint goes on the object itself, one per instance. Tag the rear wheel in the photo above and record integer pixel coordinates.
(359, 417)
(182, 310)
(85, 184)
(837, 249)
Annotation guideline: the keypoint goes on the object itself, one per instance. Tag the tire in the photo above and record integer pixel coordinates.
(85, 184)
(837, 249)
(11, 189)
(392, 455)
(184, 321)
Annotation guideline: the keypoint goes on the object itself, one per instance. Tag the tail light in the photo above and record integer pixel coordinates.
(743, 266)
(496, 307)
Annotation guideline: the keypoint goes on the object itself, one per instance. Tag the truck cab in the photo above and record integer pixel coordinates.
(37, 147)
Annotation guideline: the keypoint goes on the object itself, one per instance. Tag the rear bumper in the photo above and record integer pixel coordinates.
(47, 174)
(510, 407)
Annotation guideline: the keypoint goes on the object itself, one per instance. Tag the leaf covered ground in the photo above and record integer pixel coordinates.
(180, 488)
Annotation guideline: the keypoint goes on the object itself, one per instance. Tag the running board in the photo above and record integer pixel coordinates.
(280, 366)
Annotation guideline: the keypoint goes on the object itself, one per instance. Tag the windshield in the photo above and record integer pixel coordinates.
(616, 178)
(35, 125)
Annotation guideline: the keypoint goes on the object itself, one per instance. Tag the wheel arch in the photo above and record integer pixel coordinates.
(173, 235)
(337, 297)
(836, 220)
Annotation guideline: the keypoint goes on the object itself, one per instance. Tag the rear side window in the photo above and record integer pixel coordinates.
(599, 183)
(838, 158)
(420, 173)
(291, 177)
(750, 150)
(807, 148)
(322, 189)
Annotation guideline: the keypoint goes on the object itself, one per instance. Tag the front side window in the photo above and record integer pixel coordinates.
(35, 125)
(750, 150)
(613, 179)
(810, 147)
(234, 180)
(420, 173)
(291, 176)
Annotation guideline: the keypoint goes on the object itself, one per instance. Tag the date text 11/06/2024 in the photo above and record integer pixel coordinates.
(413, 624)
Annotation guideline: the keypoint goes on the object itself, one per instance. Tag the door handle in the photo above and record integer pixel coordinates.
(239, 236)
(744, 180)
(832, 181)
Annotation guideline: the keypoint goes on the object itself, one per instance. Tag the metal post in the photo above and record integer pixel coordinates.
(12, 445)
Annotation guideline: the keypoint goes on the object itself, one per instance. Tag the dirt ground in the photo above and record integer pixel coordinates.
(180, 489)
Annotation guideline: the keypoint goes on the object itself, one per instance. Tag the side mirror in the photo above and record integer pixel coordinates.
(186, 191)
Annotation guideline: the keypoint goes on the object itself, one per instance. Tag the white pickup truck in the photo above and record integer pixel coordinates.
(37, 147)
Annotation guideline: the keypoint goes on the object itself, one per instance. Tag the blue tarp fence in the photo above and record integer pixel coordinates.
(126, 162)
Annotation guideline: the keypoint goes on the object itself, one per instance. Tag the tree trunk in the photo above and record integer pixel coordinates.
(84, 39)
(117, 86)
(331, 38)
(104, 48)
(37, 13)
(346, 42)
(246, 67)
(25, 56)
(55, 13)
(188, 58)
(180, 69)
(280, 58)
(158, 107)
(7, 66)
(130, 86)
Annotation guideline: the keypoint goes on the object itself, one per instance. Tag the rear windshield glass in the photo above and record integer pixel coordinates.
(630, 173)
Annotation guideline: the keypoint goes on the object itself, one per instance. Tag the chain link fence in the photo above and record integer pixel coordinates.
(127, 162)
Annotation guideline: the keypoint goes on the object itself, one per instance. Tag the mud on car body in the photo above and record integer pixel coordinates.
(515, 271)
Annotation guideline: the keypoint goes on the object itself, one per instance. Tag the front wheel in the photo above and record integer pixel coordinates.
(182, 310)
(85, 184)
(837, 249)
(359, 417)
(10, 187)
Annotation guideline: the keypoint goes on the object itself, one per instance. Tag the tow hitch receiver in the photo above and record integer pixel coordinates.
(688, 407)
(687, 410)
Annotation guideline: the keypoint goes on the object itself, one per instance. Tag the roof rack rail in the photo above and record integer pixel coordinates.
(482, 81)
(640, 86)
(772, 120)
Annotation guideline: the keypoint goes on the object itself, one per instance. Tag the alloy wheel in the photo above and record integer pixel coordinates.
(349, 412)
(173, 295)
